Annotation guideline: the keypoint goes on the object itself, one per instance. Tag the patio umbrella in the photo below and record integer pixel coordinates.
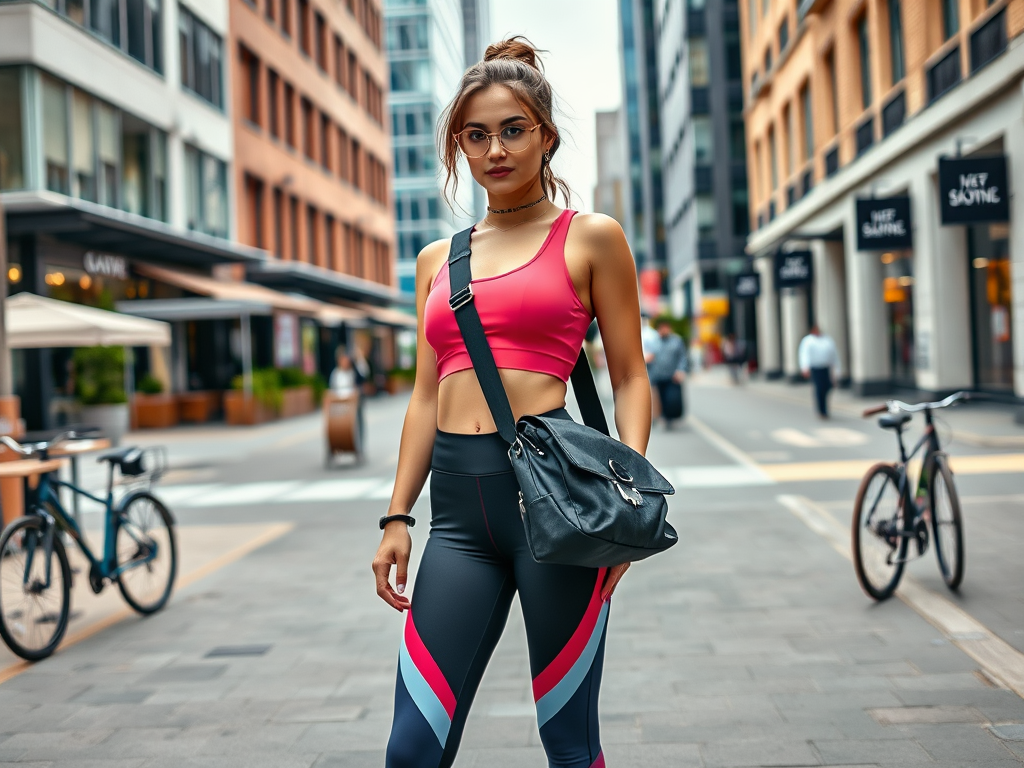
(35, 322)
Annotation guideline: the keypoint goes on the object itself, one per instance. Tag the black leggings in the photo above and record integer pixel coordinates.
(475, 560)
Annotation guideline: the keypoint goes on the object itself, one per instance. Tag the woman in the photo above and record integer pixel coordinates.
(540, 274)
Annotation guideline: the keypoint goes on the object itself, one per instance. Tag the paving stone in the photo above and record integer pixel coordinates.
(893, 751)
(959, 743)
(757, 752)
(940, 714)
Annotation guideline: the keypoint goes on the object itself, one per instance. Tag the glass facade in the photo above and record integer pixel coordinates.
(201, 54)
(134, 26)
(12, 145)
(206, 193)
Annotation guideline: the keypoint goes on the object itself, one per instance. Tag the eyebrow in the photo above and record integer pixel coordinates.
(506, 121)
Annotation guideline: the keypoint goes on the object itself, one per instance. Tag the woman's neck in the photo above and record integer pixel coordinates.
(514, 200)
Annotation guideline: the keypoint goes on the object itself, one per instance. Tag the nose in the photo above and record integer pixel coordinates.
(494, 147)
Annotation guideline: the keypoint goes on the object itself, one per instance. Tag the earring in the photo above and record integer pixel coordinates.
(547, 156)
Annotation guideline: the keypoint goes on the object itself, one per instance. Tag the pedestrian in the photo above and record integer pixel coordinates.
(648, 341)
(668, 364)
(345, 383)
(541, 275)
(818, 360)
(734, 353)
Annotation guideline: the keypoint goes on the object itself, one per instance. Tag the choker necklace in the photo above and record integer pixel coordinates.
(518, 207)
(506, 229)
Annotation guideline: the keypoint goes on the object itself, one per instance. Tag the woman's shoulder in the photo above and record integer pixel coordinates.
(598, 226)
(432, 258)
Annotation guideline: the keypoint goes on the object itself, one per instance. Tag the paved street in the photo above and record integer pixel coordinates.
(749, 644)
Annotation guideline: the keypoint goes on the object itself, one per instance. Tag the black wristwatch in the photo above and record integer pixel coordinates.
(407, 519)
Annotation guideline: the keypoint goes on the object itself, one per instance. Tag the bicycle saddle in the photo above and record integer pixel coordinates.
(129, 460)
(894, 420)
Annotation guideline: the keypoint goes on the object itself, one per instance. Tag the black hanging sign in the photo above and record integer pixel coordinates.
(883, 224)
(747, 286)
(973, 189)
(793, 268)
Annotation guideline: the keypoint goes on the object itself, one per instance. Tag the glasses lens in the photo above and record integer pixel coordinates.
(473, 142)
(516, 138)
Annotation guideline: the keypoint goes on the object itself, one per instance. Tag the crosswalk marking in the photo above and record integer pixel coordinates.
(248, 493)
(337, 490)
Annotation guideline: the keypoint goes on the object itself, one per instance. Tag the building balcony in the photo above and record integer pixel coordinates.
(988, 41)
(894, 113)
(865, 135)
(944, 74)
(832, 161)
(808, 181)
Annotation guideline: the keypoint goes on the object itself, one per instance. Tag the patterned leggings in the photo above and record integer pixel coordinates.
(475, 560)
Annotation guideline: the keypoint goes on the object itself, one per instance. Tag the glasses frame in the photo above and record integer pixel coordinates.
(491, 137)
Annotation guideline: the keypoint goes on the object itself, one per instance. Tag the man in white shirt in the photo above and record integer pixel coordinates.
(818, 360)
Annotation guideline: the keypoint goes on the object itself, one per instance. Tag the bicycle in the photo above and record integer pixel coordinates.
(885, 517)
(139, 551)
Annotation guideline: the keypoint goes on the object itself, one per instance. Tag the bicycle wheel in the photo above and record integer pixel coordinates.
(147, 552)
(879, 551)
(33, 613)
(947, 524)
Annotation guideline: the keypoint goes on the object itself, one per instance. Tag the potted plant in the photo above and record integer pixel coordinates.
(263, 405)
(297, 392)
(99, 386)
(152, 407)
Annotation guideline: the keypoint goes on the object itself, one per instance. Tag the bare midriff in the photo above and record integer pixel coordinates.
(462, 409)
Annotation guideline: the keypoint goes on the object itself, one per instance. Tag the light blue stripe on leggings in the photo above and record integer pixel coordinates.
(552, 702)
(423, 696)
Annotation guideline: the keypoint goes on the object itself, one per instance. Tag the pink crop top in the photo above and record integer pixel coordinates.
(533, 318)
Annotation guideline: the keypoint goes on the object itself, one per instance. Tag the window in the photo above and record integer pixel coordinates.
(699, 69)
(254, 209)
(289, 115)
(783, 35)
(767, 60)
(703, 144)
(805, 101)
(339, 61)
(293, 227)
(733, 57)
(790, 129)
(864, 47)
(158, 210)
(55, 135)
(302, 25)
(737, 139)
(355, 165)
(408, 34)
(325, 142)
(12, 157)
(109, 155)
(705, 205)
(206, 190)
(251, 71)
(352, 70)
(329, 235)
(410, 76)
(311, 235)
(950, 17)
(286, 17)
(830, 65)
(144, 32)
(136, 154)
(308, 129)
(896, 42)
(83, 147)
(740, 211)
(200, 50)
(273, 118)
(278, 222)
(270, 9)
(773, 159)
(320, 41)
(105, 20)
(343, 155)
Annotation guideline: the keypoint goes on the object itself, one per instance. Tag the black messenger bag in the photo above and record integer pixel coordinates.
(586, 498)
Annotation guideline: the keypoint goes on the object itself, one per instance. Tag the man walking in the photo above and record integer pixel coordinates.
(818, 359)
(667, 364)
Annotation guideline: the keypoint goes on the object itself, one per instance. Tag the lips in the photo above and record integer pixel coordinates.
(499, 172)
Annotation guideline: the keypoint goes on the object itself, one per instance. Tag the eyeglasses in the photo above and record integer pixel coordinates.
(476, 143)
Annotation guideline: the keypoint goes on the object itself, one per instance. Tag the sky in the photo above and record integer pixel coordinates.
(581, 38)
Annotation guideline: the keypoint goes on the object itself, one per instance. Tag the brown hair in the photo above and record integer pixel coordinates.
(512, 63)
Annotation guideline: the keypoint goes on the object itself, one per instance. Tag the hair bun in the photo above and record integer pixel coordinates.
(518, 48)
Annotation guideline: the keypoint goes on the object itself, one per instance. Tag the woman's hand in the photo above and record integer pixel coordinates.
(395, 548)
(611, 579)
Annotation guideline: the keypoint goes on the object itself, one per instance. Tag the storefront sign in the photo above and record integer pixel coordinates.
(105, 265)
(793, 268)
(747, 286)
(883, 224)
(973, 189)
(286, 340)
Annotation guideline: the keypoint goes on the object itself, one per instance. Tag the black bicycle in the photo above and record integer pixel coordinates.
(886, 519)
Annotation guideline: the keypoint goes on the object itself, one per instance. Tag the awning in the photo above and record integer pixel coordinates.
(107, 229)
(322, 283)
(387, 316)
(35, 322)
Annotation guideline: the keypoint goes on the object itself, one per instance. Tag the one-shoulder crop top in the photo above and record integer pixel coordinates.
(532, 315)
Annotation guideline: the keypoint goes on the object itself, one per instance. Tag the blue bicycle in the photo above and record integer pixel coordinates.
(138, 554)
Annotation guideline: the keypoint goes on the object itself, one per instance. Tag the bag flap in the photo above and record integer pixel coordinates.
(589, 450)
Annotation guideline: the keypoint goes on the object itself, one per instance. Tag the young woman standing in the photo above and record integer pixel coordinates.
(540, 274)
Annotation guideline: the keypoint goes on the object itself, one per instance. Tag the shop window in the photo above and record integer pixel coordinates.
(206, 191)
(135, 167)
(55, 135)
(12, 160)
(83, 149)
(898, 295)
(201, 56)
(109, 155)
(988, 250)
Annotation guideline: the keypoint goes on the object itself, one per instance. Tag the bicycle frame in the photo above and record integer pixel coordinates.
(931, 439)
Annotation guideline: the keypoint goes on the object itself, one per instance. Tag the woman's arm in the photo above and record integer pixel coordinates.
(416, 447)
(616, 302)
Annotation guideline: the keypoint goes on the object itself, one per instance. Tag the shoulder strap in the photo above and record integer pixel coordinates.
(468, 319)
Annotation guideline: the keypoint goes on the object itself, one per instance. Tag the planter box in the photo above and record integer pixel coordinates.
(296, 401)
(111, 420)
(154, 411)
(198, 407)
(238, 409)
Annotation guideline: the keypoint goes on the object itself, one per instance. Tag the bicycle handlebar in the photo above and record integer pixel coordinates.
(32, 448)
(894, 406)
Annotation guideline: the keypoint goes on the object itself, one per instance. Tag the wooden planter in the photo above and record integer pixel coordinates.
(198, 407)
(240, 410)
(296, 401)
(154, 411)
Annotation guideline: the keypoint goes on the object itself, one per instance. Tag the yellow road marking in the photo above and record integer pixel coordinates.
(275, 531)
(1000, 660)
(854, 469)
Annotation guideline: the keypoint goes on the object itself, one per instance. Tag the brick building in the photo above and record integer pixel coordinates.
(885, 144)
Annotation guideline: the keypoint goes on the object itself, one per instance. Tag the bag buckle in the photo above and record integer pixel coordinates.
(461, 298)
(632, 495)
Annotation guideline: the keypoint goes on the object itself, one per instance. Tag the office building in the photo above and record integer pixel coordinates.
(611, 192)
(426, 49)
(703, 161)
(886, 160)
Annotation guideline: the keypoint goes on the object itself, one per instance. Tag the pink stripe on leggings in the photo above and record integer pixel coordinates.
(428, 668)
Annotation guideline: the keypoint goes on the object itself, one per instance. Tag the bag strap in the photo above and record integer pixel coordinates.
(468, 319)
